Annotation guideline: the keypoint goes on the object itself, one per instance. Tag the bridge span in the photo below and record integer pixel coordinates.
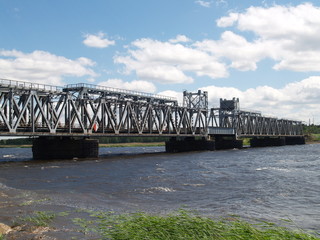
(61, 117)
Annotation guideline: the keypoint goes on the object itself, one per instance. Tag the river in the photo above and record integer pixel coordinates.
(270, 183)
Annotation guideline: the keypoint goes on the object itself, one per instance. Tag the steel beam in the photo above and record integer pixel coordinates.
(89, 110)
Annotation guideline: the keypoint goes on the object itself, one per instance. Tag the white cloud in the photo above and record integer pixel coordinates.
(174, 94)
(167, 62)
(180, 38)
(221, 2)
(281, 22)
(141, 86)
(297, 100)
(163, 74)
(97, 40)
(286, 34)
(243, 54)
(42, 67)
(228, 21)
(203, 3)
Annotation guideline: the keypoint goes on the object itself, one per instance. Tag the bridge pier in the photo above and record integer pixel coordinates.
(189, 144)
(192, 144)
(44, 148)
(277, 141)
(227, 142)
(295, 140)
(267, 141)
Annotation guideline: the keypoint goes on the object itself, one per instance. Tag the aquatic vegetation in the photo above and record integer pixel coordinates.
(184, 225)
(40, 218)
(30, 202)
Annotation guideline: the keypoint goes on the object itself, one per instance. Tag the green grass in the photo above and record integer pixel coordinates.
(183, 225)
(315, 137)
(2, 237)
(246, 141)
(312, 137)
(40, 218)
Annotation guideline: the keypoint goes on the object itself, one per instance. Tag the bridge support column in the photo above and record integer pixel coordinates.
(227, 142)
(188, 144)
(64, 148)
(295, 140)
(267, 142)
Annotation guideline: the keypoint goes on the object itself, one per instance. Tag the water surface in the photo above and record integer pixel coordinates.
(265, 183)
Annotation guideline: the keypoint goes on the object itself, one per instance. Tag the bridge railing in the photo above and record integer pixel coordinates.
(250, 111)
(28, 85)
(119, 91)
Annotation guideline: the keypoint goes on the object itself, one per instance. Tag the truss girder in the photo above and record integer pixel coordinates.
(34, 109)
(29, 112)
(253, 124)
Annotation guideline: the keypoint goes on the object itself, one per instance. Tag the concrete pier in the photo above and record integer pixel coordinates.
(64, 148)
(267, 142)
(189, 144)
(227, 142)
(295, 140)
(277, 141)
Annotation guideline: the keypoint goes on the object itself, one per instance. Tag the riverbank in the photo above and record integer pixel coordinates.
(85, 224)
(16, 146)
(184, 224)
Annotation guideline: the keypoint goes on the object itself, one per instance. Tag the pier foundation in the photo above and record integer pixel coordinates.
(188, 144)
(227, 142)
(267, 142)
(277, 141)
(295, 140)
(64, 148)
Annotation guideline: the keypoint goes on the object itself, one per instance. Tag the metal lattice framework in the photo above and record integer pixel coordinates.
(251, 123)
(89, 110)
(32, 109)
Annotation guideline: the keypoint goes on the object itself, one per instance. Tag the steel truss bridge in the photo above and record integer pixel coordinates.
(246, 123)
(31, 109)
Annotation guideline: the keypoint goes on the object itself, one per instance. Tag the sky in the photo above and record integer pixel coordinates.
(266, 53)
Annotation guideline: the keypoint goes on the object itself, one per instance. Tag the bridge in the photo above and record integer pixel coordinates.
(247, 123)
(55, 116)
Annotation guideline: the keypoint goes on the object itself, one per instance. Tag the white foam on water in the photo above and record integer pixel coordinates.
(194, 184)
(274, 169)
(158, 189)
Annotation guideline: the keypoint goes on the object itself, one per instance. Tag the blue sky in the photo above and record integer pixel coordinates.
(267, 53)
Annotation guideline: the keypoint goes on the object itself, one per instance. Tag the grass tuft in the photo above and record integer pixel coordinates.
(40, 218)
(184, 225)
